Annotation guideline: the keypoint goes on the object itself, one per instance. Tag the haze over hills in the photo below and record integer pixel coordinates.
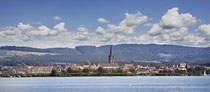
(122, 52)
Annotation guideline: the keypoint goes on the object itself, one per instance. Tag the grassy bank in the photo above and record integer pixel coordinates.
(98, 74)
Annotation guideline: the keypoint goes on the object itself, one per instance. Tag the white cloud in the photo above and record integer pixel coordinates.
(82, 34)
(172, 29)
(204, 30)
(173, 19)
(147, 25)
(128, 25)
(100, 31)
(57, 18)
(102, 20)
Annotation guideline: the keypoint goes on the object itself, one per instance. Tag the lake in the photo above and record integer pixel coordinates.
(107, 84)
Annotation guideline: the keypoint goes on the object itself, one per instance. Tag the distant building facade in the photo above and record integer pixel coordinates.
(39, 69)
(110, 64)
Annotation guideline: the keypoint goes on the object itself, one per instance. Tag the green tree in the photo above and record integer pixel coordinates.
(63, 71)
(119, 70)
(108, 70)
(86, 70)
(69, 70)
(199, 69)
(53, 72)
(161, 66)
(190, 70)
(101, 70)
(133, 70)
(180, 71)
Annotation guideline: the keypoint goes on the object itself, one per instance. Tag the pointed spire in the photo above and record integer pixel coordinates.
(111, 57)
(110, 50)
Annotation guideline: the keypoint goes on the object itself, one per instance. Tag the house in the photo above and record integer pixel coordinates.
(182, 65)
(109, 65)
(128, 65)
(39, 69)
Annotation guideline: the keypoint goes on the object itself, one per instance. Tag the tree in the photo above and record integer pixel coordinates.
(133, 70)
(119, 70)
(190, 70)
(63, 71)
(199, 70)
(53, 72)
(69, 70)
(86, 70)
(180, 71)
(161, 66)
(101, 70)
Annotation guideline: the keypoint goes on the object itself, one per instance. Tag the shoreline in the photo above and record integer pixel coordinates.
(95, 75)
(98, 77)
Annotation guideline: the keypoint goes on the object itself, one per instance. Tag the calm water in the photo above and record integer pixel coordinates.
(106, 84)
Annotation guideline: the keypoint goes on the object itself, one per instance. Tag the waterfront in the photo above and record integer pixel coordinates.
(107, 84)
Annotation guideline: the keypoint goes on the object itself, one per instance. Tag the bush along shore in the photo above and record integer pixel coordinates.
(102, 72)
(97, 74)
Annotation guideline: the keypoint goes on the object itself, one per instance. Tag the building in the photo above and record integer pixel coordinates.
(110, 64)
(128, 65)
(139, 66)
(111, 56)
(182, 65)
(76, 68)
(21, 70)
(39, 69)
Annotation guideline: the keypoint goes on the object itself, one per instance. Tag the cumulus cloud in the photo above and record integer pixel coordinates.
(173, 28)
(204, 30)
(100, 31)
(128, 25)
(147, 25)
(26, 32)
(102, 20)
(173, 19)
(82, 34)
(58, 18)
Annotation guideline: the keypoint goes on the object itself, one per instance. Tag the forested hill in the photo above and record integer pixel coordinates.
(122, 52)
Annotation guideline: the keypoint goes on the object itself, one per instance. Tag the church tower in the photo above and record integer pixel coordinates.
(111, 57)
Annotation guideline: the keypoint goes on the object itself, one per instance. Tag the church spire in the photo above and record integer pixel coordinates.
(111, 57)
(110, 50)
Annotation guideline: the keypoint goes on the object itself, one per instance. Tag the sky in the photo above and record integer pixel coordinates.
(70, 23)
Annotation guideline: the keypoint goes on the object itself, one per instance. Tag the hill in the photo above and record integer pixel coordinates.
(122, 52)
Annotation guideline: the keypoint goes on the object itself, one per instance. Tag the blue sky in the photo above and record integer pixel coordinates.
(83, 14)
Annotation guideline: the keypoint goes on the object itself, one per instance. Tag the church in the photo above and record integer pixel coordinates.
(110, 64)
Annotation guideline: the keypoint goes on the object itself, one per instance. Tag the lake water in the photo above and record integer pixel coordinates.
(106, 84)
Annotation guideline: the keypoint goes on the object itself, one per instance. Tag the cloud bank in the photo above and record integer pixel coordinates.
(173, 28)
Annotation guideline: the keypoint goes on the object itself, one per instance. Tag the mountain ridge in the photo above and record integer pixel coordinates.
(122, 52)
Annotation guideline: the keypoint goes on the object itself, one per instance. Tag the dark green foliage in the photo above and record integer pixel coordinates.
(63, 71)
(101, 70)
(133, 70)
(165, 71)
(53, 72)
(86, 70)
(161, 66)
(199, 69)
(119, 70)
(180, 71)
(69, 70)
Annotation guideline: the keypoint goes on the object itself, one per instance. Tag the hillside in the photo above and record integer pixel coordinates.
(122, 52)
